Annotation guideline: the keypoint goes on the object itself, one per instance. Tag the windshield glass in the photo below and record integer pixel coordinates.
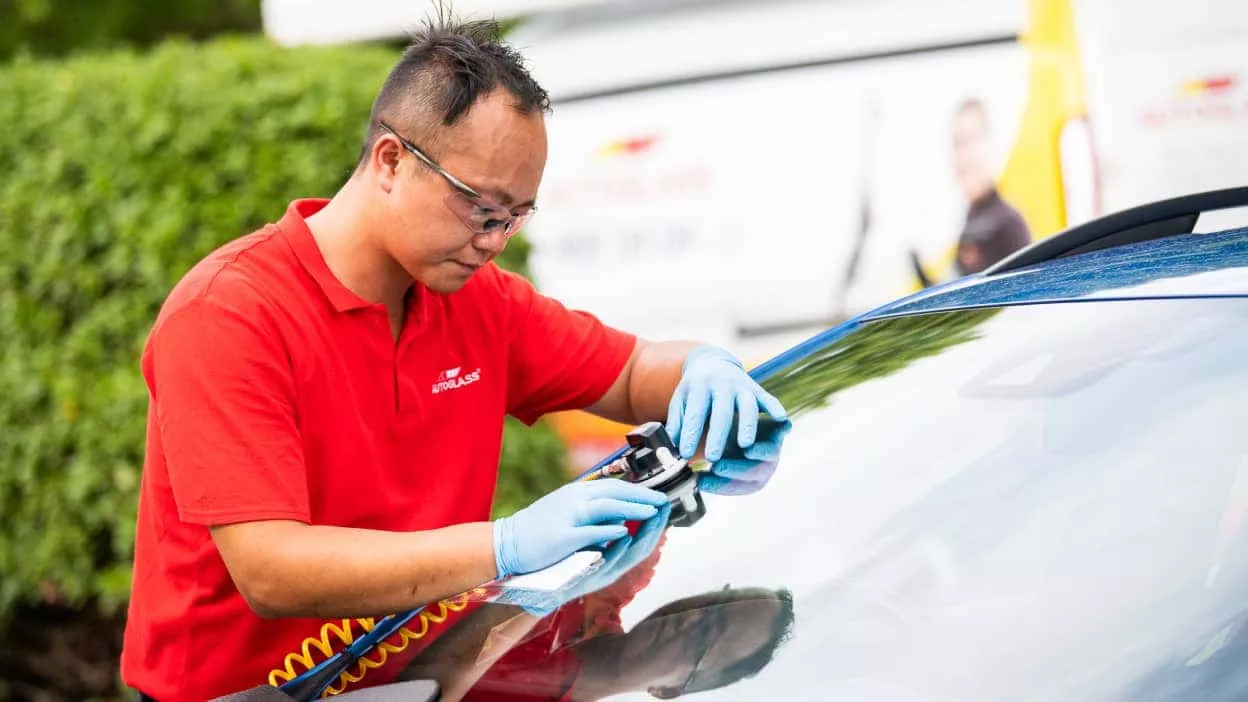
(1027, 503)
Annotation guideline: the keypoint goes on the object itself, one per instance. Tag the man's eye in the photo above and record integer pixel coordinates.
(490, 225)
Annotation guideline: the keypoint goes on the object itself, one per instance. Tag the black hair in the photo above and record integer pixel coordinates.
(754, 663)
(976, 105)
(447, 66)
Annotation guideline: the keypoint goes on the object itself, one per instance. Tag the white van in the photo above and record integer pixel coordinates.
(746, 173)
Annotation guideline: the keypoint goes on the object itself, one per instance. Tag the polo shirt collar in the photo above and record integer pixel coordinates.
(294, 227)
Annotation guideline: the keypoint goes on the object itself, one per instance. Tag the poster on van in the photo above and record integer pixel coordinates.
(743, 211)
(752, 212)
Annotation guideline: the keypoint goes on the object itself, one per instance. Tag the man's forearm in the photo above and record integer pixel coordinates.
(644, 387)
(324, 571)
(653, 378)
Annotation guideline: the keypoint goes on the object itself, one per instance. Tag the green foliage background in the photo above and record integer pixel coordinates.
(117, 172)
(55, 27)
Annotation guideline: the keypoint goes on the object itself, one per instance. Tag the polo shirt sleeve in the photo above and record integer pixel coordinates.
(559, 359)
(224, 393)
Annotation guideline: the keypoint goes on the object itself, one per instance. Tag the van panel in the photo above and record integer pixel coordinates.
(626, 44)
(720, 209)
(1168, 96)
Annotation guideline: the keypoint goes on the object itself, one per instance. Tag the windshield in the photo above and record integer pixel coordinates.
(1027, 503)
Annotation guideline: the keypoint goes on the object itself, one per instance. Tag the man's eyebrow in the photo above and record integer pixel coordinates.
(506, 199)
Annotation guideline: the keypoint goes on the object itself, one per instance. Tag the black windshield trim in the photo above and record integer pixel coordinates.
(629, 88)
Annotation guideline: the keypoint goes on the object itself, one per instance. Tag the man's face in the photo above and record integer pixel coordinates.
(970, 153)
(494, 149)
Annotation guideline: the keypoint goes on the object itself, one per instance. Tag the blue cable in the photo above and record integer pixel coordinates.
(311, 684)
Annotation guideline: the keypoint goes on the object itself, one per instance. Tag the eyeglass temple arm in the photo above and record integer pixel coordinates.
(415, 151)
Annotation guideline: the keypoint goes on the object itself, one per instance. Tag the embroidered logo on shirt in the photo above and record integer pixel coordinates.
(452, 379)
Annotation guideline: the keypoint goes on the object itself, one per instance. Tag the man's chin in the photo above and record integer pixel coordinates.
(446, 287)
(446, 284)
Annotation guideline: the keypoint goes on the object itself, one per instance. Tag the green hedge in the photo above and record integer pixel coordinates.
(117, 172)
(56, 27)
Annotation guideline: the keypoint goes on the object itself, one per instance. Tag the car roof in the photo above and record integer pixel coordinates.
(1187, 265)
(1149, 251)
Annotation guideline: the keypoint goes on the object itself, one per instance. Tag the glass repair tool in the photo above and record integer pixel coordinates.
(652, 461)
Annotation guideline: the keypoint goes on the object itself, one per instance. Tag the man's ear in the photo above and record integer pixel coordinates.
(386, 156)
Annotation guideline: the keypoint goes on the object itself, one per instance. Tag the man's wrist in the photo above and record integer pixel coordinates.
(708, 351)
(501, 534)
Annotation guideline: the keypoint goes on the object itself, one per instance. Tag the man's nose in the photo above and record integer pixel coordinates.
(492, 242)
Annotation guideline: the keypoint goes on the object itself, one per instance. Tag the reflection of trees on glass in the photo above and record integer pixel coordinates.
(874, 350)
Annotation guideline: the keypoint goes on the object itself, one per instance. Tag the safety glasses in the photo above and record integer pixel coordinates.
(482, 215)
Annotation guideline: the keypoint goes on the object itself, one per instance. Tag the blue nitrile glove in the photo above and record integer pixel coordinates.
(746, 472)
(574, 517)
(624, 555)
(714, 383)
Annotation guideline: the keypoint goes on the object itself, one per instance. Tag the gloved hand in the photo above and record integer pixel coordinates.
(746, 472)
(574, 517)
(713, 382)
(620, 558)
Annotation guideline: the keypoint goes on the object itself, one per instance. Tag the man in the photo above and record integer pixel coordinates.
(328, 393)
(993, 228)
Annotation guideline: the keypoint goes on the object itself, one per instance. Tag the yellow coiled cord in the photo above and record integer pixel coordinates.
(338, 634)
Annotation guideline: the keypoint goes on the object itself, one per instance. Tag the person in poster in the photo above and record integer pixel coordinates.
(994, 229)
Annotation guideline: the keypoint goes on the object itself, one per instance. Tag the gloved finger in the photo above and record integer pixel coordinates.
(697, 406)
(606, 511)
(768, 447)
(674, 410)
(717, 485)
(770, 403)
(614, 489)
(747, 418)
(752, 471)
(598, 535)
(723, 406)
(647, 538)
(763, 451)
(613, 566)
(733, 468)
(652, 529)
(615, 553)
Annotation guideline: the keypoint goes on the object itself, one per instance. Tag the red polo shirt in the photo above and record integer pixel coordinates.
(277, 393)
